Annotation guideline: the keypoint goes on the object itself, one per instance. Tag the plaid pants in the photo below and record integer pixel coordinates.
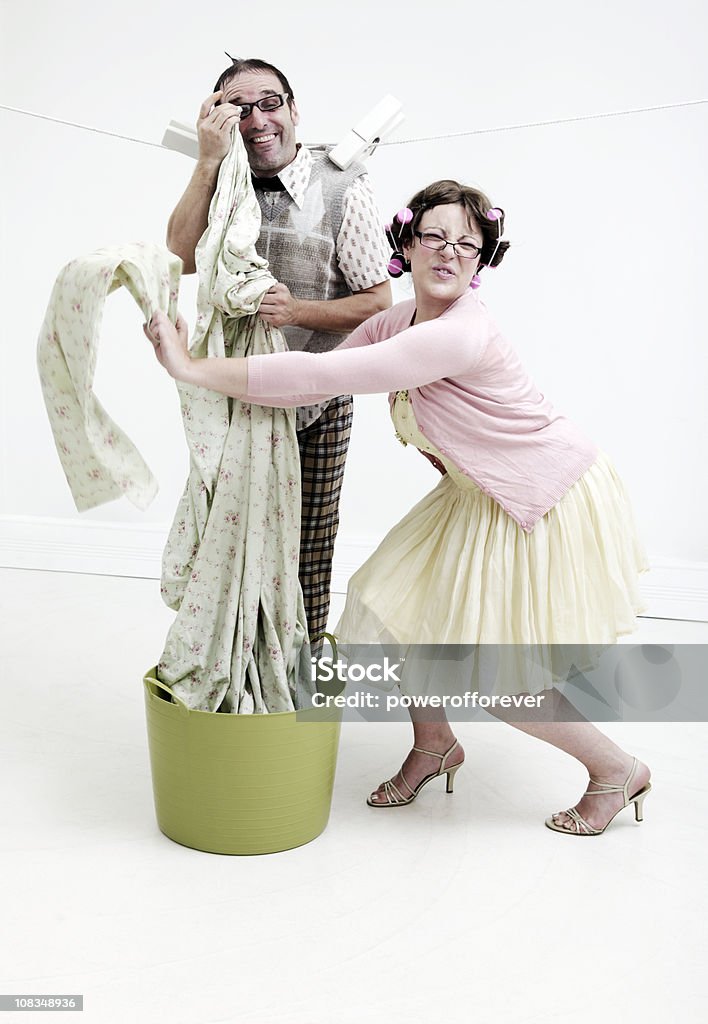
(323, 452)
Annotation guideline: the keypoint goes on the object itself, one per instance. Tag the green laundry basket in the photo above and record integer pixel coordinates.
(239, 784)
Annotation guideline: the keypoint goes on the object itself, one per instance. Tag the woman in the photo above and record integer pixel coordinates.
(527, 539)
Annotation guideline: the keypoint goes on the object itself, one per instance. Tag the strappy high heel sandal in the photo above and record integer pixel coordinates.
(395, 798)
(578, 826)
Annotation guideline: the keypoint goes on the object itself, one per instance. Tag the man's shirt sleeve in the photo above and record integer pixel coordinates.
(362, 250)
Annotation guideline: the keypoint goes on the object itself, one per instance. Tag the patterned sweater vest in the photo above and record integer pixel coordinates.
(301, 245)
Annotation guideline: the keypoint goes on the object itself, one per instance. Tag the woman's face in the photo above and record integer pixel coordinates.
(440, 277)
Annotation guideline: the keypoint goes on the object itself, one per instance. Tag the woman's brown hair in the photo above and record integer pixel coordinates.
(476, 205)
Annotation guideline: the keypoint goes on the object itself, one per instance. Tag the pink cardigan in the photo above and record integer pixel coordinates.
(471, 398)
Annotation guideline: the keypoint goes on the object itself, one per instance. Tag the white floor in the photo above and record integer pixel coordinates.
(459, 907)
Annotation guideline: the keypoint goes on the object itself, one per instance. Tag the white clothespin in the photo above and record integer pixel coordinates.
(359, 142)
(182, 138)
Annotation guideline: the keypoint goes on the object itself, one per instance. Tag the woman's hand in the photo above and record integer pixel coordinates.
(170, 343)
(229, 376)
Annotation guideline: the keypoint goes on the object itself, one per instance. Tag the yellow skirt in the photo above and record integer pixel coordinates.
(457, 569)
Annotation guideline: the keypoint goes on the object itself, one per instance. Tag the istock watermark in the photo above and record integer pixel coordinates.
(619, 682)
(324, 671)
(446, 701)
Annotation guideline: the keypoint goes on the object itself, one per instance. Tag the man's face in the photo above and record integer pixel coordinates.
(269, 135)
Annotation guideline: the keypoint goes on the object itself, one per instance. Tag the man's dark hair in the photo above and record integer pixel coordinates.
(238, 66)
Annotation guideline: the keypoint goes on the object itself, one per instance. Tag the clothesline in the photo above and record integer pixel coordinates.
(399, 142)
(543, 124)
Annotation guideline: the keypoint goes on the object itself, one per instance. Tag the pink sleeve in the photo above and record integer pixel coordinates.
(359, 336)
(449, 346)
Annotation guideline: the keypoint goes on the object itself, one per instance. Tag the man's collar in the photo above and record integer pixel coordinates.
(295, 177)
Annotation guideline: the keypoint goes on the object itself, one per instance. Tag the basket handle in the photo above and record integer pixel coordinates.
(163, 686)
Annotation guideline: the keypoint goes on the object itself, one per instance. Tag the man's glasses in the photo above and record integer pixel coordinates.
(468, 250)
(272, 102)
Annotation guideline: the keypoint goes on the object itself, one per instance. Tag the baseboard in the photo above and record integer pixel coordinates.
(673, 589)
(67, 545)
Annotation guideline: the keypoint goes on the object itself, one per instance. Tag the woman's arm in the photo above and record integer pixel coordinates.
(445, 347)
(225, 375)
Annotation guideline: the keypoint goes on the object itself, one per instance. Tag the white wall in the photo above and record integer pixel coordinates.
(602, 293)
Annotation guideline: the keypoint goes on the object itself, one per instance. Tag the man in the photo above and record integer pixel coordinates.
(322, 235)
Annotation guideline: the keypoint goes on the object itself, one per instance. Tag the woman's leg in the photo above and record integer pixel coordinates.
(604, 760)
(431, 731)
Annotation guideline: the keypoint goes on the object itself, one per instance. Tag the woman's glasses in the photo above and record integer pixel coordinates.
(431, 240)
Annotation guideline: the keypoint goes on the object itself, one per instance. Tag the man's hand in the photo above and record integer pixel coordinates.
(279, 307)
(214, 128)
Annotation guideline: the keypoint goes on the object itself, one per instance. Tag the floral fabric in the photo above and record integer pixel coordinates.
(100, 462)
(238, 643)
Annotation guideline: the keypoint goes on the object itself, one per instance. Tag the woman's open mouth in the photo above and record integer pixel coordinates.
(444, 273)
